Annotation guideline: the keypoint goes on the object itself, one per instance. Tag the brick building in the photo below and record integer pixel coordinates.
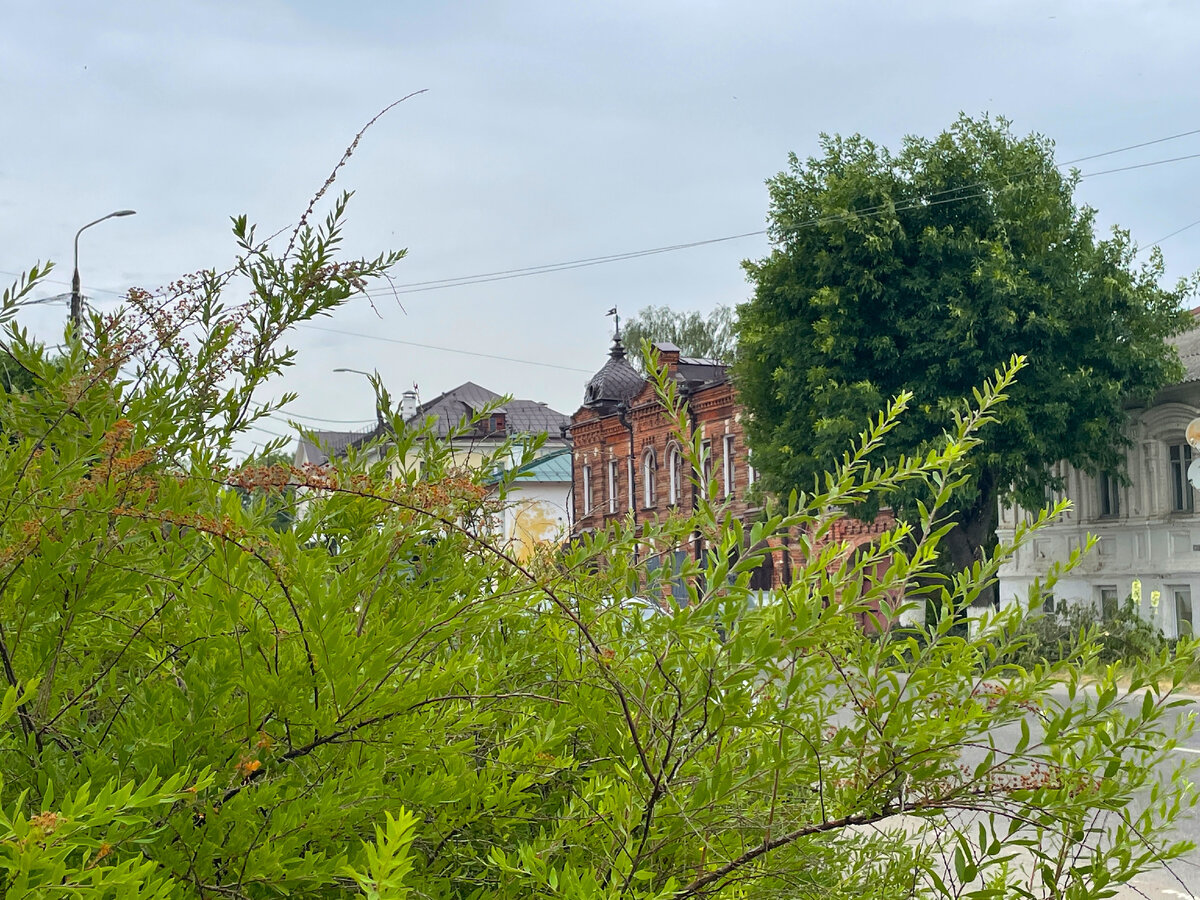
(628, 458)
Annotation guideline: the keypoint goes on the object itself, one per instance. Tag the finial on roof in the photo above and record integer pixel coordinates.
(618, 349)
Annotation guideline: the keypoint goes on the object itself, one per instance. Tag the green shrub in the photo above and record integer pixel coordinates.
(1060, 635)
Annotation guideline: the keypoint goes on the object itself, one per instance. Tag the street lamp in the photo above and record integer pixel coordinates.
(76, 299)
(372, 376)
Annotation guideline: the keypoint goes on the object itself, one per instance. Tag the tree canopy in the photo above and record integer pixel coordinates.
(696, 334)
(923, 270)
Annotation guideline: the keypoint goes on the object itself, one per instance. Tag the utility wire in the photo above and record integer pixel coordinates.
(391, 340)
(591, 260)
(284, 416)
(416, 287)
(286, 437)
(504, 274)
(1171, 235)
(1145, 165)
(1161, 140)
(595, 261)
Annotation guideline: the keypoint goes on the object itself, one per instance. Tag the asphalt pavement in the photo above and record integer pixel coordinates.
(1182, 880)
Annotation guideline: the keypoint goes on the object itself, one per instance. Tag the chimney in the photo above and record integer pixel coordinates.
(667, 354)
(408, 404)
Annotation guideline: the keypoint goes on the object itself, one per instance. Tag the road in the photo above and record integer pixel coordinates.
(1182, 882)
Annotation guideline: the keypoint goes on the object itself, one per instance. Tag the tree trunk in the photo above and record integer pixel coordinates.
(974, 534)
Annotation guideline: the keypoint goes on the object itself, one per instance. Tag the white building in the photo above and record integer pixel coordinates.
(537, 508)
(1148, 531)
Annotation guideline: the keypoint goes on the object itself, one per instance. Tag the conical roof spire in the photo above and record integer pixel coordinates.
(617, 381)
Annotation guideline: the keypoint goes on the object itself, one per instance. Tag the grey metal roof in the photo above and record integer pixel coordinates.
(1187, 345)
(702, 372)
(449, 409)
(466, 400)
(617, 380)
(331, 443)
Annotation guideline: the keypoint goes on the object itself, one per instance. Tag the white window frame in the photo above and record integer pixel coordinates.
(727, 463)
(630, 469)
(614, 475)
(1110, 496)
(674, 476)
(1179, 457)
(705, 473)
(1104, 594)
(587, 490)
(648, 479)
(1183, 592)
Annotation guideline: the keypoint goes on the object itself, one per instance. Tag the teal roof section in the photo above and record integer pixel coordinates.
(554, 466)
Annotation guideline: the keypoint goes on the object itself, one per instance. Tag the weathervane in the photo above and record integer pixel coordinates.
(617, 320)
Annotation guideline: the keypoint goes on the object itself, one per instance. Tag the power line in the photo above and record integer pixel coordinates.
(1145, 165)
(574, 263)
(1171, 235)
(286, 437)
(1162, 140)
(284, 415)
(416, 287)
(391, 340)
(527, 271)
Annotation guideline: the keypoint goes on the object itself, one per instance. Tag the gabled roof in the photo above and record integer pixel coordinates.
(329, 444)
(449, 409)
(466, 400)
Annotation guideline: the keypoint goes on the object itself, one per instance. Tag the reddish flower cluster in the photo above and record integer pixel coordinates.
(438, 494)
(46, 822)
(993, 694)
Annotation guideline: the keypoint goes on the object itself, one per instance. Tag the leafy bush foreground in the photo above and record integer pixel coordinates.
(380, 701)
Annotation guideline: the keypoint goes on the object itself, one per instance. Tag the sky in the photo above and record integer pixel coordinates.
(547, 132)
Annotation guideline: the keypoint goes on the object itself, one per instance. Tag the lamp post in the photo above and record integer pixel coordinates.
(371, 376)
(76, 298)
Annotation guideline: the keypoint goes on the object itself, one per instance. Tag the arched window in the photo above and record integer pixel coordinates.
(675, 475)
(649, 464)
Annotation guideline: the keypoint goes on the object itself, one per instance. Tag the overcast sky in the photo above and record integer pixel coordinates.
(549, 132)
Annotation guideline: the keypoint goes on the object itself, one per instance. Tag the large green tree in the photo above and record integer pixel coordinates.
(923, 270)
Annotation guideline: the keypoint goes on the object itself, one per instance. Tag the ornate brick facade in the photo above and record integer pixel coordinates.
(609, 434)
(627, 454)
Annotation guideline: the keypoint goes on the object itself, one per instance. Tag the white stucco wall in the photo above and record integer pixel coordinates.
(1147, 540)
(536, 512)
